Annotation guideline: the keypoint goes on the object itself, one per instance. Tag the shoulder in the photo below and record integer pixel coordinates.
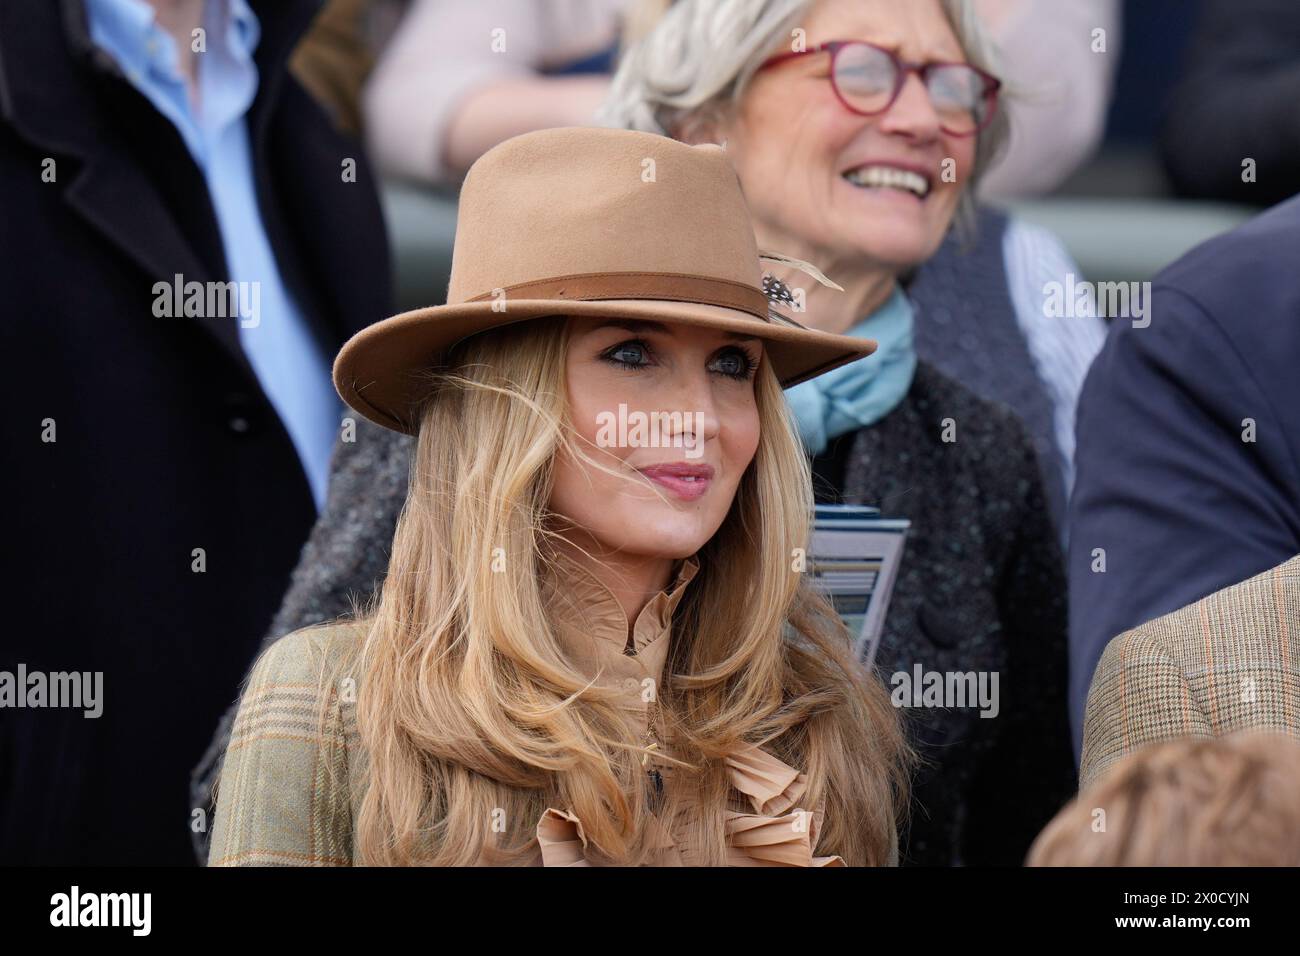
(308, 654)
(1229, 303)
(302, 687)
(970, 468)
(1037, 261)
(978, 434)
(1138, 696)
(1224, 663)
(1248, 622)
(935, 394)
(1261, 249)
(288, 777)
(1033, 250)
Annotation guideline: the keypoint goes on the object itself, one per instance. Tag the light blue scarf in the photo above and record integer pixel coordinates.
(861, 393)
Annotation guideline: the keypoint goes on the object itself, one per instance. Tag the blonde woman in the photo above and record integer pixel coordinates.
(593, 645)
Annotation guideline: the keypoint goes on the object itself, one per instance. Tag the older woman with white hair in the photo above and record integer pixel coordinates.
(739, 69)
(857, 129)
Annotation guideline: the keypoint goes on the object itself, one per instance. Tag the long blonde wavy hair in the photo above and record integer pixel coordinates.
(473, 721)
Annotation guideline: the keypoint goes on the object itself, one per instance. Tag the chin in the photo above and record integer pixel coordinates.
(674, 546)
(899, 250)
(671, 539)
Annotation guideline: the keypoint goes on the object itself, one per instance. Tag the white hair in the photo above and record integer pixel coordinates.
(695, 65)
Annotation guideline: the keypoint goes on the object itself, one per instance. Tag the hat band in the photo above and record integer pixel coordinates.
(661, 286)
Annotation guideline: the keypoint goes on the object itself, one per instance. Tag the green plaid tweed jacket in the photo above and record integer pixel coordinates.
(292, 779)
(1229, 662)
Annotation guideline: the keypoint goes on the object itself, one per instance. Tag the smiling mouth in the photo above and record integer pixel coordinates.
(889, 177)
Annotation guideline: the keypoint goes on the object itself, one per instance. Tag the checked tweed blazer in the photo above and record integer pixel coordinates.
(1227, 663)
(291, 784)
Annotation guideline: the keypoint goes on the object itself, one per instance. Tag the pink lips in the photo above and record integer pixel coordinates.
(684, 479)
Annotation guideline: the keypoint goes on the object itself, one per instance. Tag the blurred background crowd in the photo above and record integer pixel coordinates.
(1103, 480)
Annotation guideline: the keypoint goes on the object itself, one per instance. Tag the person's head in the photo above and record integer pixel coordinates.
(641, 437)
(1231, 801)
(666, 422)
(472, 713)
(833, 170)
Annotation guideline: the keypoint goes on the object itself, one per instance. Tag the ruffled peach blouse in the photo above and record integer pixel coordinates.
(779, 830)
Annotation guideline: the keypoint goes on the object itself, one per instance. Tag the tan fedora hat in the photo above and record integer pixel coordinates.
(587, 222)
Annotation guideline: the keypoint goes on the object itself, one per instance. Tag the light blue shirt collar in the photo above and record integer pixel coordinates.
(126, 27)
(148, 54)
(129, 30)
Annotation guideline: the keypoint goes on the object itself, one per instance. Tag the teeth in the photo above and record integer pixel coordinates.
(889, 177)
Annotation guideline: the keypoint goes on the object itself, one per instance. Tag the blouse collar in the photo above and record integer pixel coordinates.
(593, 629)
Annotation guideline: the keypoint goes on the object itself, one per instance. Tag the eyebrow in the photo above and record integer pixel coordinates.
(647, 325)
(895, 46)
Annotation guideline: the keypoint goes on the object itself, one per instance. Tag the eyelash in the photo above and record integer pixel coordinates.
(750, 363)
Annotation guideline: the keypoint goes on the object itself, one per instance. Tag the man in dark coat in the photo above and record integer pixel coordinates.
(1189, 443)
(157, 497)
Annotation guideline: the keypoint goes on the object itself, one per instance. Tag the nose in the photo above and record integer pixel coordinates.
(693, 396)
(912, 114)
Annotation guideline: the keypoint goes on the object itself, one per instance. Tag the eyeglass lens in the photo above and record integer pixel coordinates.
(866, 77)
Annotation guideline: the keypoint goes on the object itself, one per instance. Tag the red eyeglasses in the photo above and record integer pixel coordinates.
(867, 79)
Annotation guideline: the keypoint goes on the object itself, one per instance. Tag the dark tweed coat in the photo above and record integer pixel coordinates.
(981, 589)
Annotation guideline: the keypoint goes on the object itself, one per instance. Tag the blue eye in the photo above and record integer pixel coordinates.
(630, 354)
(635, 354)
(735, 363)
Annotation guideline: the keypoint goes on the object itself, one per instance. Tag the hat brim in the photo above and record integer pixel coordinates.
(377, 372)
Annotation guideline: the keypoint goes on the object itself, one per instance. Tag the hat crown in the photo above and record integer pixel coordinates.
(578, 201)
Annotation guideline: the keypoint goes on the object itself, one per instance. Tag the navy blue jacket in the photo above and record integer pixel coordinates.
(1169, 485)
